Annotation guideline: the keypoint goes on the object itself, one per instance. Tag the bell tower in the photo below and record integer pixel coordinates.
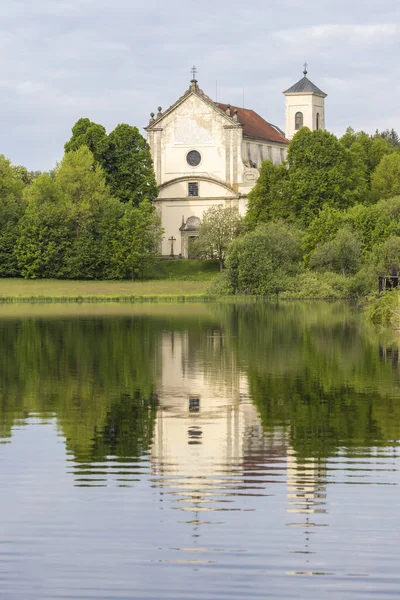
(305, 106)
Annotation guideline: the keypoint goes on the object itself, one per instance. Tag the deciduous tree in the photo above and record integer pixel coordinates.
(11, 210)
(218, 228)
(268, 198)
(386, 178)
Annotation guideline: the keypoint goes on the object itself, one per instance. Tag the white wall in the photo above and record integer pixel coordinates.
(257, 151)
(224, 176)
(196, 125)
(309, 105)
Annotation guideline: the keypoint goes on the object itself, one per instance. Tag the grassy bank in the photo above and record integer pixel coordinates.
(48, 290)
(385, 309)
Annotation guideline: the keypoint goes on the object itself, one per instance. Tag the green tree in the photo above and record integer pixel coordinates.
(129, 166)
(320, 173)
(386, 254)
(371, 148)
(218, 228)
(135, 245)
(24, 175)
(124, 156)
(267, 200)
(262, 261)
(63, 229)
(92, 135)
(11, 210)
(44, 231)
(391, 136)
(386, 178)
(341, 254)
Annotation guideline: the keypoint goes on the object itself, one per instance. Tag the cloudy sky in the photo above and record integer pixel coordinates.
(116, 61)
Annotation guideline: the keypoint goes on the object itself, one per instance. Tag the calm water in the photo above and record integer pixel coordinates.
(192, 452)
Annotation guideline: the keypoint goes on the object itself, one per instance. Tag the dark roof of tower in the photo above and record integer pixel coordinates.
(305, 86)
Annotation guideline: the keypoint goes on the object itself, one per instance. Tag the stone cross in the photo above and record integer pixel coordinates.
(172, 240)
(194, 73)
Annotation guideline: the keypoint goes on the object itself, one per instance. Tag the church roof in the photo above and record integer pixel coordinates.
(305, 86)
(255, 126)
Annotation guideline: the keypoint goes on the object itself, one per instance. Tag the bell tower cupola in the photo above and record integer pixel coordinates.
(305, 106)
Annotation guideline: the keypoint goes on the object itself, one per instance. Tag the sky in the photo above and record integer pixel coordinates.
(117, 61)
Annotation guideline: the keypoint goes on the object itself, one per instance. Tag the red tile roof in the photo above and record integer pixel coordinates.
(254, 126)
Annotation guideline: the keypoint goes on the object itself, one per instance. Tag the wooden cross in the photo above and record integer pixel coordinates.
(172, 240)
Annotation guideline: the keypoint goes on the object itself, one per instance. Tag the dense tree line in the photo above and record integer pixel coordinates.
(323, 224)
(90, 218)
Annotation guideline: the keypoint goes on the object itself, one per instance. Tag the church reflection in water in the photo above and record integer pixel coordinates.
(209, 446)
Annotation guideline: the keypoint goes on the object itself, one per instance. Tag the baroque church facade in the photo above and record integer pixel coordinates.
(208, 154)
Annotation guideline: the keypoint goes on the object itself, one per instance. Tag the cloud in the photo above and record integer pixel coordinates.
(116, 62)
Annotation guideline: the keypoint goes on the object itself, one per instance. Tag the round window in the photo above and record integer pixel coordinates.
(193, 158)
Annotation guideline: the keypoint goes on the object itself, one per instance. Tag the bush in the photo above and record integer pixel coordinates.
(262, 261)
(385, 310)
(323, 286)
(341, 255)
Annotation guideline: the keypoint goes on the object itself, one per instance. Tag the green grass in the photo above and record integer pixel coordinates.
(47, 290)
(184, 270)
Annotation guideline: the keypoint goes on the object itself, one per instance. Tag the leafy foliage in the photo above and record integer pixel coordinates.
(262, 261)
(218, 228)
(386, 177)
(128, 166)
(321, 174)
(267, 200)
(341, 255)
(73, 228)
(11, 210)
(124, 156)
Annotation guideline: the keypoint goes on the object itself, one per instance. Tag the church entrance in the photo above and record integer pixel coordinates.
(189, 234)
(191, 248)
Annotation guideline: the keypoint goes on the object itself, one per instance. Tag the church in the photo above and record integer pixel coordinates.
(207, 153)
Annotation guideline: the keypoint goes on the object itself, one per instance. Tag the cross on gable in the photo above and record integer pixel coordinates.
(194, 73)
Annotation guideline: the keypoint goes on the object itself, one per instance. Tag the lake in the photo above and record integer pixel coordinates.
(219, 451)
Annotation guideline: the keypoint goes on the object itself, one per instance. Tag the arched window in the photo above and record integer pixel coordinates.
(317, 121)
(298, 121)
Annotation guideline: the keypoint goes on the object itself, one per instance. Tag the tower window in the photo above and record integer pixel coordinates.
(193, 188)
(317, 124)
(298, 121)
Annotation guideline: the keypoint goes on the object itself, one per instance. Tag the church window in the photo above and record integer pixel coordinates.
(193, 158)
(193, 188)
(298, 121)
(317, 124)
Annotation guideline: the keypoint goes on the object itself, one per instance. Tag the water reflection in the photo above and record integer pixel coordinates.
(256, 441)
(206, 435)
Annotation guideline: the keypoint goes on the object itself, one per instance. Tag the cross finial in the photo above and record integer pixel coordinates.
(194, 73)
(305, 68)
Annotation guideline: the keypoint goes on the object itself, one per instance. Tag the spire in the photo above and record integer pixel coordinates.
(305, 69)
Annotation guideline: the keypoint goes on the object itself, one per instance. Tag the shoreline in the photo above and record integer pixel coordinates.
(159, 299)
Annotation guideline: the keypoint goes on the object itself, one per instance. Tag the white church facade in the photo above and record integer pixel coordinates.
(207, 153)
